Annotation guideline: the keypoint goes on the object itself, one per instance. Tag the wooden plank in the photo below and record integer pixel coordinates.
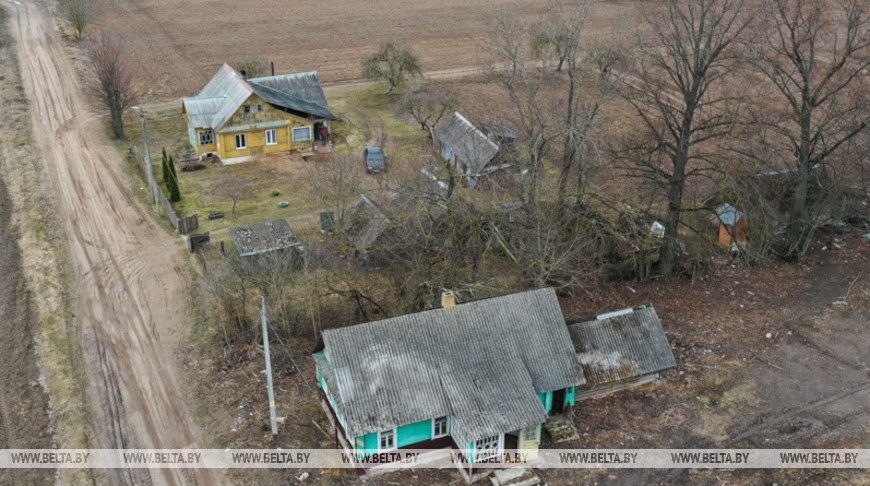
(607, 389)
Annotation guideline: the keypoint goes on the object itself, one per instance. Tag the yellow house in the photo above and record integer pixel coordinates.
(234, 116)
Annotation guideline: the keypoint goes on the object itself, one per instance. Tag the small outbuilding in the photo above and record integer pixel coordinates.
(732, 226)
(467, 148)
(620, 350)
(267, 236)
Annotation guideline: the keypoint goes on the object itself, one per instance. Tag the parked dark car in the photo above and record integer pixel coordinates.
(374, 159)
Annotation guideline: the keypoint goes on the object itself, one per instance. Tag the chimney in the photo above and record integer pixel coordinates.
(448, 299)
(273, 67)
(244, 74)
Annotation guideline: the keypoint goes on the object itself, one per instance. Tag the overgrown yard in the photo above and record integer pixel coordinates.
(804, 386)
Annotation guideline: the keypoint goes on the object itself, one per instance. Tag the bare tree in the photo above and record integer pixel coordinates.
(253, 65)
(233, 187)
(816, 53)
(428, 106)
(678, 99)
(392, 63)
(590, 81)
(336, 182)
(113, 78)
(79, 13)
(526, 83)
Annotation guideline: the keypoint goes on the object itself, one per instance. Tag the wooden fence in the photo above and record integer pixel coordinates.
(182, 225)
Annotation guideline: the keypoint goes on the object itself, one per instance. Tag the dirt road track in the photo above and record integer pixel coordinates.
(131, 284)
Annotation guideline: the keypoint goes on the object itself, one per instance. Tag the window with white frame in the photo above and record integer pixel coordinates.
(271, 136)
(259, 106)
(440, 427)
(300, 134)
(387, 440)
(206, 137)
(486, 448)
(241, 141)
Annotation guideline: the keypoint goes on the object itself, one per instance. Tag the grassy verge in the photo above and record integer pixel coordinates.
(46, 264)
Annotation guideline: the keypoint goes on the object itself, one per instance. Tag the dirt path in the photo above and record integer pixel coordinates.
(131, 284)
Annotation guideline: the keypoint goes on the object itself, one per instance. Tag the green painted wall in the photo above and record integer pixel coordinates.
(413, 433)
(370, 441)
(547, 400)
(569, 396)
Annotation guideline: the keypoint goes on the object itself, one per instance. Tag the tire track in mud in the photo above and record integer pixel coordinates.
(132, 290)
(806, 407)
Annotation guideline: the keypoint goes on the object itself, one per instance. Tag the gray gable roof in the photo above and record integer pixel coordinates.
(288, 100)
(467, 144)
(226, 85)
(303, 85)
(484, 362)
(621, 345)
(227, 90)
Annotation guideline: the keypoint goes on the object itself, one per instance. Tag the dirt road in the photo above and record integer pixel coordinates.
(131, 285)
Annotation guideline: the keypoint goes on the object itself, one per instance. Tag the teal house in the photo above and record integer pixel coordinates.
(480, 377)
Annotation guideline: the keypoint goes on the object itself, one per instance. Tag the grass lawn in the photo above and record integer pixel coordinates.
(374, 122)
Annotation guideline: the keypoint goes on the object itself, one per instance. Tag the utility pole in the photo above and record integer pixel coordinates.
(151, 183)
(272, 414)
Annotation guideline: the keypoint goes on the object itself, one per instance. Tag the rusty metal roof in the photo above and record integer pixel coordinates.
(484, 362)
(256, 238)
(621, 345)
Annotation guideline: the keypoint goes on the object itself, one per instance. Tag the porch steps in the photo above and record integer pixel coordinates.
(186, 154)
(515, 476)
(561, 428)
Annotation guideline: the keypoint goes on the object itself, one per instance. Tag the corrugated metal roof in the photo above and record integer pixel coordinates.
(621, 345)
(467, 144)
(484, 362)
(255, 238)
(366, 214)
(290, 101)
(201, 111)
(228, 85)
(303, 85)
(227, 91)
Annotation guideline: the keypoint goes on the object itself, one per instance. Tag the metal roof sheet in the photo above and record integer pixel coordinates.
(201, 111)
(728, 214)
(484, 362)
(255, 238)
(290, 101)
(621, 345)
(467, 144)
(303, 85)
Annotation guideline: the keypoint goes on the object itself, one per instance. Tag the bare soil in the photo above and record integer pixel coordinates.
(179, 46)
(24, 419)
(132, 287)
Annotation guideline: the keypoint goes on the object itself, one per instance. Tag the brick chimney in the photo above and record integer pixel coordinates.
(448, 299)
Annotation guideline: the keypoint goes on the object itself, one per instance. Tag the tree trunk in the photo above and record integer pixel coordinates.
(797, 220)
(117, 122)
(668, 257)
